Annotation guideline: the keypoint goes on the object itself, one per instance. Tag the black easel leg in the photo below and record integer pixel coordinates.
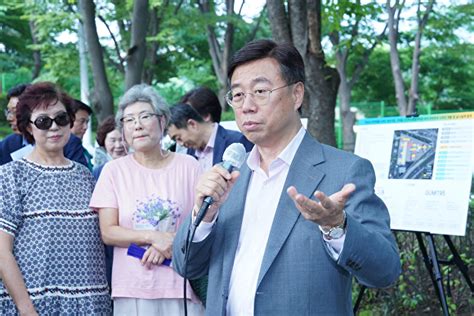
(427, 261)
(437, 273)
(459, 262)
(359, 298)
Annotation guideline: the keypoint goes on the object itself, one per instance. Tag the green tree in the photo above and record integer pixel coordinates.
(394, 15)
(351, 28)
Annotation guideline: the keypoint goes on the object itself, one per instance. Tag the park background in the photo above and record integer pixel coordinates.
(364, 59)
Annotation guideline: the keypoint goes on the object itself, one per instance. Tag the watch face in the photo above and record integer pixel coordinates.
(336, 232)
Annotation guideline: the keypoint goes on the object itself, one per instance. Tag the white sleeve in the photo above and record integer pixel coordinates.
(203, 230)
(335, 246)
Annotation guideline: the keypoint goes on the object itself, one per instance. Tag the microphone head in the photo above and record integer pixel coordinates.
(234, 155)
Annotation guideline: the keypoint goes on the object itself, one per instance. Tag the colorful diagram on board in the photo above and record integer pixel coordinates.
(413, 154)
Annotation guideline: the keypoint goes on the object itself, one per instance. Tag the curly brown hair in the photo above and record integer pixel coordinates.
(40, 95)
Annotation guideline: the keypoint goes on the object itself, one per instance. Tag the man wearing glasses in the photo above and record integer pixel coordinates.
(82, 113)
(286, 234)
(15, 146)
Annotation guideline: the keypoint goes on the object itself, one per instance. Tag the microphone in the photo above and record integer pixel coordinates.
(232, 159)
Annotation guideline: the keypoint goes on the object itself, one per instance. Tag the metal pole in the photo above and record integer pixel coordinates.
(84, 75)
(437, 273)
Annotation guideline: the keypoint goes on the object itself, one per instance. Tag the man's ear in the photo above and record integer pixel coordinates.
(192, 124)
(207, 117)
(298, 94)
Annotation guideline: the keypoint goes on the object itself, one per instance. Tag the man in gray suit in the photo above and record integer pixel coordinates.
(286, 234)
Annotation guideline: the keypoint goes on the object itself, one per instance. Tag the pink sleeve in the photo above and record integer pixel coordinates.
(191, 189)
(104, 194)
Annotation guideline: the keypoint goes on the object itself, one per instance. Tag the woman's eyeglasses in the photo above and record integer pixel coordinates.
(45, 122)
(143, 118)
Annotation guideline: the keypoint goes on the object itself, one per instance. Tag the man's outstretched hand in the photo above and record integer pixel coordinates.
(325, 211)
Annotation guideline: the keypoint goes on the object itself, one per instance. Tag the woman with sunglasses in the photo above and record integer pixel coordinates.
(142, 198)
(51, 255)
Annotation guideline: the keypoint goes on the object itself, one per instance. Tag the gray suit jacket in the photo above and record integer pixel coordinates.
(298, 276)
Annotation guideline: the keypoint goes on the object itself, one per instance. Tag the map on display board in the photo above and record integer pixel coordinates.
(424, 168)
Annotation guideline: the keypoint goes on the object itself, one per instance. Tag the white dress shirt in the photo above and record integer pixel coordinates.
(205, 156)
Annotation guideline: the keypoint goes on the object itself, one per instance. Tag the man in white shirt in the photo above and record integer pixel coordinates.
(286, 234)
(205, 140)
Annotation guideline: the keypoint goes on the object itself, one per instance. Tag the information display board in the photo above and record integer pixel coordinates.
(424, 168)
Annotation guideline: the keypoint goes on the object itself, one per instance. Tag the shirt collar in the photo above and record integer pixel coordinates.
(212, 139)
(286, 156)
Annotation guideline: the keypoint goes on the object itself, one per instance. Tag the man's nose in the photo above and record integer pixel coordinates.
(248, 104)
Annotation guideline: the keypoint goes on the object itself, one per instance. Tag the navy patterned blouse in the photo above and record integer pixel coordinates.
(57, 241)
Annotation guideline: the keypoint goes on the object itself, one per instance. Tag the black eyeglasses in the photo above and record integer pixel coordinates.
(45, 122)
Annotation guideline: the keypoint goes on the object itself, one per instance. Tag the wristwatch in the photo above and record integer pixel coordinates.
(335, 232)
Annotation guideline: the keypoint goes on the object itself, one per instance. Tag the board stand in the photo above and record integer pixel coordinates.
(432, 263)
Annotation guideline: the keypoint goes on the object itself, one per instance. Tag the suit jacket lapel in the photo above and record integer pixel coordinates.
(305, 176)
(219, 145)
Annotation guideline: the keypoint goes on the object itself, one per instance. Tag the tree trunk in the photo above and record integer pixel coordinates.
(152, 57)
(322, 81)
(415, 67)
(394, 12)
(347, 116)
(103, 100)
(137, 50)
(36, 53)
(220, 56)
(279, 23)
(395, 58)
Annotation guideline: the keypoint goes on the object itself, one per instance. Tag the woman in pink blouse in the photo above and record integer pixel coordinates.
(142, 198)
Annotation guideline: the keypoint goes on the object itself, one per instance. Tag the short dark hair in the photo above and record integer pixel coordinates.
(205, 102)
(79, 105)
(35, 96)
(105, 127)
(17, 90)
(290, 61)
(181, 113)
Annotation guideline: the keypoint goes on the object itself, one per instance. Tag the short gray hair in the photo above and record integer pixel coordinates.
(143, 93)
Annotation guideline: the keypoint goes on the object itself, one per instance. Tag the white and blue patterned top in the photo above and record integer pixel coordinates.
(57, 242)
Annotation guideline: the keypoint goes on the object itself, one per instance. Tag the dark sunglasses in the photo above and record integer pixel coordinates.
(45, 122)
